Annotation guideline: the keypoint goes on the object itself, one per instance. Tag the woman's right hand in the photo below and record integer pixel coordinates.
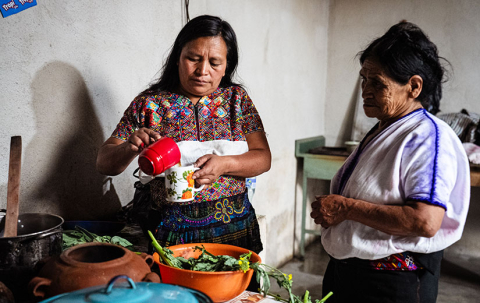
(142, 137)
(330, 210)
(115, 155)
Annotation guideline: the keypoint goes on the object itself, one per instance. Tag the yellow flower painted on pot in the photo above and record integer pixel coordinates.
(224, 210)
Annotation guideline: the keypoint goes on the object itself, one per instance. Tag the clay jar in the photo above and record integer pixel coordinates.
(90, 264)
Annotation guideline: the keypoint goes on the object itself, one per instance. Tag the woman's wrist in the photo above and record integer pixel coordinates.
(354, 209)
(230, 165)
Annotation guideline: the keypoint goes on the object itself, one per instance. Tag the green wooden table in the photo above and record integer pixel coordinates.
(322, 167)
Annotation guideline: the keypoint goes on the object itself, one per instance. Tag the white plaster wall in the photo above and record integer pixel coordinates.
(283, 49)
(455, 28)
(68, 70)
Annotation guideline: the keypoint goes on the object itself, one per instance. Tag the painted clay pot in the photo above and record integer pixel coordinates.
(88, 265)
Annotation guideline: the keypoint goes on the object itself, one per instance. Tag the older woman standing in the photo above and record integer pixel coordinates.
(402, 197)
(196, 103)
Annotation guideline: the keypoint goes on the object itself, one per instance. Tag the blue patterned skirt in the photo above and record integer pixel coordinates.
(230, 220)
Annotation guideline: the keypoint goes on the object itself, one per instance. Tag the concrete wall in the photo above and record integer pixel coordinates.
(453, 26)
(69, 70)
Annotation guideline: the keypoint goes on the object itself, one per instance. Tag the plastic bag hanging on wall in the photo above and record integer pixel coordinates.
(251, 184)
(11, 7)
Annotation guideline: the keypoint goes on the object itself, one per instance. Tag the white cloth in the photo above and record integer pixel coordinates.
(192, 150)
(473, 152)
(418, 158)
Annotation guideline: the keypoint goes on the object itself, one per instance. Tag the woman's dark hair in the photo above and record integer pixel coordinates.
(201, 26)
(404, 51)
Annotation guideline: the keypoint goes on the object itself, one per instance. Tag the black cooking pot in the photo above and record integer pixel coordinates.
(39, 236)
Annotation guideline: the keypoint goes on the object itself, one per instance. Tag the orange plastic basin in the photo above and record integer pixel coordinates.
(219, 286)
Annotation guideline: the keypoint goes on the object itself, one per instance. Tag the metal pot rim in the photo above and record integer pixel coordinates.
(57, 227)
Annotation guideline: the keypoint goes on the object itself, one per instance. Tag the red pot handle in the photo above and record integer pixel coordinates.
(39, 285)
(148, 259)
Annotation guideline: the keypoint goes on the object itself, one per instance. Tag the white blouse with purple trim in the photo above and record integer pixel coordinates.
(418, 158)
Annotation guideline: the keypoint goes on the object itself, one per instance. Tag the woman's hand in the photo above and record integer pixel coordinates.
(211, 167)
(329, 210)
(142, 137)
(115, 155)
(416, 219)
(250, 164)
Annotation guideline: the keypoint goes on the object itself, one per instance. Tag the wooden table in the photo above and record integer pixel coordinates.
(474, 175)
(324, 167)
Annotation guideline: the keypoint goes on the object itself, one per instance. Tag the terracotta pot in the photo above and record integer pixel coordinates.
(90, 264)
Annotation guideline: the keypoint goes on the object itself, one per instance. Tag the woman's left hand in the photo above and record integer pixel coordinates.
(252, 163)
(211, 167)
(329, 210)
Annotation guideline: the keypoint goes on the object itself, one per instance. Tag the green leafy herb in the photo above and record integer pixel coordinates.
(325, 298)
(81, 235)
(166, 255)
(263, 272)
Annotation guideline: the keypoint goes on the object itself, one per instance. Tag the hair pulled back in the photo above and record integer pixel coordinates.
(404, 51)
(201, 26)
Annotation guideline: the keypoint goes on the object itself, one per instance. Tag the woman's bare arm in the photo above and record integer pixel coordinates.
(413, 219)
(115, 155)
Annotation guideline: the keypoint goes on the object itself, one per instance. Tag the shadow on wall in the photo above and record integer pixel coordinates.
(347, 127)
(60, 159)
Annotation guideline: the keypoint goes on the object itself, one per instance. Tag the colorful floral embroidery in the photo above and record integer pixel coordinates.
(224, 211)
(177, 216)
(402, 262)
(152, 105)
(195, 223)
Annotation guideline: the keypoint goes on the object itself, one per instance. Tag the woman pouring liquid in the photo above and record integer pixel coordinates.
(214, 122)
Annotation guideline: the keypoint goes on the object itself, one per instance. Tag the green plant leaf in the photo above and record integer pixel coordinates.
(263, 272)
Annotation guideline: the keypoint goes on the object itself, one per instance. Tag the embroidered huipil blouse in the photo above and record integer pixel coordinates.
(217, 124)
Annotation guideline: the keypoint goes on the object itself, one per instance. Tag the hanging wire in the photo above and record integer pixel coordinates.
(187, 2)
